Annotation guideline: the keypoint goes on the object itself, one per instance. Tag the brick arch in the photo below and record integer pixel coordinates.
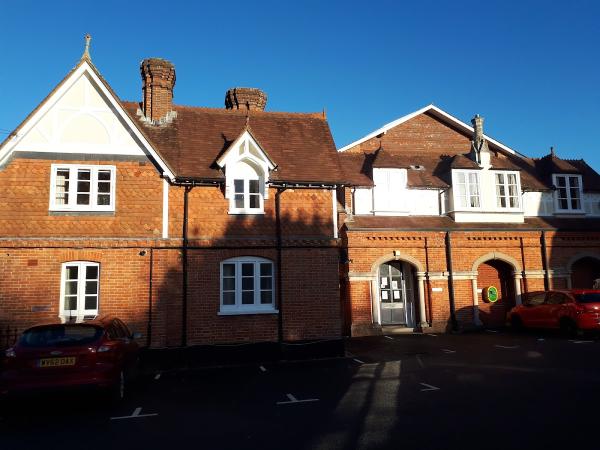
(581, 255)
(500, 256)
(396, 256)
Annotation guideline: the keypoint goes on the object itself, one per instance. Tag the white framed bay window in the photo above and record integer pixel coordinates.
(79, 290)
(247, 286)
(569, 193)
(78, 187)
(466, 188)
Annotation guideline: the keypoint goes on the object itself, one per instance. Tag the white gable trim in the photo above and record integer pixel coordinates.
(437, 112)
(83, 68)
(229, 155)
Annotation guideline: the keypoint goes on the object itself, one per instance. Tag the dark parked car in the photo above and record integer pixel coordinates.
(99, 353)
(573, 310)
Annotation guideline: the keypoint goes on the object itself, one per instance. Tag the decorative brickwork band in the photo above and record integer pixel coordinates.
(245, 98)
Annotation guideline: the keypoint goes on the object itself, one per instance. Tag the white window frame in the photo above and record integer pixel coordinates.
(80, 313)
(468, 189)
(246, 209)
(506, 185)
(257, 307)
(567, 177)
(72, 204)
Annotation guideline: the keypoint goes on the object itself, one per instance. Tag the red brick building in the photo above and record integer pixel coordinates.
(195, 225)
(439, 212)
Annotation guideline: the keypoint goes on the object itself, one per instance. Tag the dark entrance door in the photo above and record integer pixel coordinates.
(396, 294)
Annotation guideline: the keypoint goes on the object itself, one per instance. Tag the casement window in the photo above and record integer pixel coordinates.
(247, 196)
(569, 192)
(466, 189)
(75, 187)
(390, 190)
(247, 286)
(507, 190)
(80, 290)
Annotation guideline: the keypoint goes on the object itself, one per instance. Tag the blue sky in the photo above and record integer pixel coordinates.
(531, 68)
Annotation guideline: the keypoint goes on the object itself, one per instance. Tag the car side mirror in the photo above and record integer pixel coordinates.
(136, 335)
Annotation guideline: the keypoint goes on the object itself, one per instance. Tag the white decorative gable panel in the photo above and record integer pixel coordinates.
(81, 120)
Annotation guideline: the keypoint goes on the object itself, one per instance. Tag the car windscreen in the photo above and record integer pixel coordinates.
(60, 336)
(590, 297)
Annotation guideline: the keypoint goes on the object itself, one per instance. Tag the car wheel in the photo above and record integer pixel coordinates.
(568, 327)
(516, 323)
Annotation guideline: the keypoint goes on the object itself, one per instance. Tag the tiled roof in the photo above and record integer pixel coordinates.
(300, 144)
(445, 223)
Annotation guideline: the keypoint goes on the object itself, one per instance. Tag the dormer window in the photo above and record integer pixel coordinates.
(246, 167)
(466, 189)
(569, 192)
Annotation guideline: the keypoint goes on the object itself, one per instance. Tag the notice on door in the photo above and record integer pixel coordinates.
(394, 284)
(384, 282)
(396, 295)
(384, 295)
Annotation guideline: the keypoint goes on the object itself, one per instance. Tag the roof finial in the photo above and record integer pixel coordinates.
(552, 151)
(86, 51)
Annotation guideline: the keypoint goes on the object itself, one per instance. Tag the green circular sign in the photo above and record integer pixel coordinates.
(490, 294)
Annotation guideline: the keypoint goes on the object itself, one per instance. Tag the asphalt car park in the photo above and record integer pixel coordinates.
(491, 389)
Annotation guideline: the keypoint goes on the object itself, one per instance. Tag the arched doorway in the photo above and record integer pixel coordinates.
(584, 272)
(499, 274)
(397, 287)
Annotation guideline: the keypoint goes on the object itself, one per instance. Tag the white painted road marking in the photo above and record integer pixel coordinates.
(429, 387)
(293, 399)
(136, 414)
(507, 346)
(388, 337)
(420, 361)
(262, 368)
(446, 350)
(433, 335)
(359, 361)
(157, 376)
(582, 342)
(492, 331)
(541, 339)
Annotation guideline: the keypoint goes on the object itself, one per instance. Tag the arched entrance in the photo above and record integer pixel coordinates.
(584, 272)
(396, 289)
(499, 274)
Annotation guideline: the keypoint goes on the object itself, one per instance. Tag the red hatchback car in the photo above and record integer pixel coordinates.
(570, 310)
(100, 353)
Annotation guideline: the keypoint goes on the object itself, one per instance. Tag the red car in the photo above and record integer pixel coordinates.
(100, 353)
(571, 310)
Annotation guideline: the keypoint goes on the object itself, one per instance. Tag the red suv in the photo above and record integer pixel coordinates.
(570, 310)
(100, 353)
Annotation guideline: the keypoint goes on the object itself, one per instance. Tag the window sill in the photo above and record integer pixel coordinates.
(55, 212)
(242, 312)
(248, 212)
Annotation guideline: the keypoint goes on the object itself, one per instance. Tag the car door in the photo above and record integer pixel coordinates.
(553, 309)
(532, 310)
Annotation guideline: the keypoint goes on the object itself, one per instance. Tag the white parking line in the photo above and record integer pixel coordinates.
(447, 350)
(506, 346)
(432, 335)
(429, 387)
(389, 337)
(491, 331)
(359, 361)
(135, 415)
(293, 399)
(262, 368)
(420, 361)
(581, 342)
(541, 339)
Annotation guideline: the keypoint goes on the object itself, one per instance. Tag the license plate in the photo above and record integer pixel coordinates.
(56, 362)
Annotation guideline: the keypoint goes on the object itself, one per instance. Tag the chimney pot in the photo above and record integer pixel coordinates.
(158, 81)
(252, 99)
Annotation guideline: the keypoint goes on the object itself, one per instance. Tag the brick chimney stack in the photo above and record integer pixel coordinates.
(158, 81)
(245, 98)
(479, 144)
